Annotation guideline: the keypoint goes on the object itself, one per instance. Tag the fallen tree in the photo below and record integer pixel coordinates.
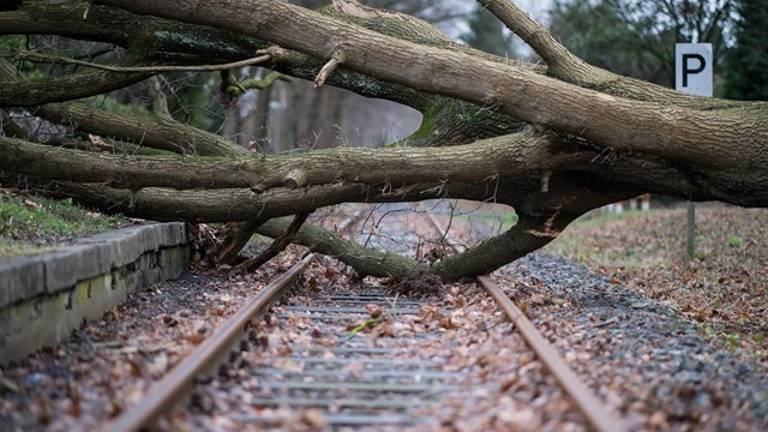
(552, 142)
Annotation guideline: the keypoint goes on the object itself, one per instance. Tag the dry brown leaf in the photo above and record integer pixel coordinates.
(314, 419)
(374, 310)
(32, 205)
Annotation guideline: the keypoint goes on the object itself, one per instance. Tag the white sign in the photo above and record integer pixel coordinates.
(693, 68)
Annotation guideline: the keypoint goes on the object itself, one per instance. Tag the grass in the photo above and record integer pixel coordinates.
(725, 288)
(505, 220)
(28, 223)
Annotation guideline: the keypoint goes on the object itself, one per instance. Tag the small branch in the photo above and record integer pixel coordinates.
(236, 89)
(238, 235)
(47, 58)
(296, 178)
(159, 101)
(545, 181)
(277, 246)
(336, 60)
(87, 10)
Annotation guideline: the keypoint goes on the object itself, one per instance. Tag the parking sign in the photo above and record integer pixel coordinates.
(693, 68)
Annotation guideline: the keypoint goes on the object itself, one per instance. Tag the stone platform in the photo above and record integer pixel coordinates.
(44, 297)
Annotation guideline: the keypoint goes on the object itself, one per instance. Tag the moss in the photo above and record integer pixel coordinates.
(428, 121)
(201, 42)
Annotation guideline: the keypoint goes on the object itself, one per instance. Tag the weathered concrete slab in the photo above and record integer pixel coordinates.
(21, 277)
(24, 277)
(44, 297)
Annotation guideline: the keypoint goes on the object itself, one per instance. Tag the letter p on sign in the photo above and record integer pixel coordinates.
(693, 68)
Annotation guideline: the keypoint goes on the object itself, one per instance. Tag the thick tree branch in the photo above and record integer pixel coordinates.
(365, 261)
(566, 66)
(161, 132)
(226, 205)
(150, 131)
(561, 62)
(399, 166)
(683, 135)
(529, 234)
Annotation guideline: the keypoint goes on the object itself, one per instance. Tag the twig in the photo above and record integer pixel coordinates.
(364, 325)
(87, 9)
(33, 56)
(326, 71)
(235, 89)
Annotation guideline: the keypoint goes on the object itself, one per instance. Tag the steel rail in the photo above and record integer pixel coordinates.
(599, 416)
(164, 394)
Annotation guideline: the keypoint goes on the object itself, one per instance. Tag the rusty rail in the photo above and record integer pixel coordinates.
(599, 416)
(164, 394)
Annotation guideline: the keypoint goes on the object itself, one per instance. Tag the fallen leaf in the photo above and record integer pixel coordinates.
(374, 310)
(32, 205)
(314, 419)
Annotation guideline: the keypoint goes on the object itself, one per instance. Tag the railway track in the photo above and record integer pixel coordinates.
(327, 367)
(600, 417)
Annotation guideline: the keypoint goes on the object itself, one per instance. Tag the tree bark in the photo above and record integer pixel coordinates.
(365, 261)
(19, 93)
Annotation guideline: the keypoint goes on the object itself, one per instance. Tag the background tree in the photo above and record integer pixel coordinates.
(637, 38)
(747, 76)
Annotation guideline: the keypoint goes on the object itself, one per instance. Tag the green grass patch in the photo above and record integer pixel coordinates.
(735, 242)
(42, 219)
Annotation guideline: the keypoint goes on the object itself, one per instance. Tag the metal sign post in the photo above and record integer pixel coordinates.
(693, 75)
